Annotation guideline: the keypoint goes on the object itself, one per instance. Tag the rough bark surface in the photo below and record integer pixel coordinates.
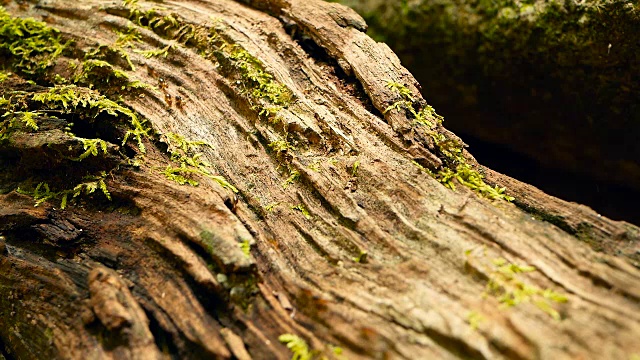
(362, 250)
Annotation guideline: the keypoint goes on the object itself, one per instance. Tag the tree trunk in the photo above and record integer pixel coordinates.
(341, 240)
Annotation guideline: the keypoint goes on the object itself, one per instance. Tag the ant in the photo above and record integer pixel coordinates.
(179, 103)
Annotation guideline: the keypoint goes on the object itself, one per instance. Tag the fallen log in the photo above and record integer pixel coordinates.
(217, 179)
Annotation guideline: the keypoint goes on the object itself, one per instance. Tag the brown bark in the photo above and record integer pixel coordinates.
(159, 273)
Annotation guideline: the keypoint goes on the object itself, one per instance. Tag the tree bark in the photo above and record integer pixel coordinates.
(337, 233)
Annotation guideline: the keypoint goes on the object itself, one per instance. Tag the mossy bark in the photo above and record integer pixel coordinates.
(554, 80)
(315, 214)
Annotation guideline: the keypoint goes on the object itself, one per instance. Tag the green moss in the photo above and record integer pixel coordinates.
(270, 207)
(293, 177)
(127, 39)
(92, 147)
(298, 347)
(362, 257)
(155, 52)
(303, 210)
(32, 46)
(506, 283)
(90, 184)
(449, 150)
(245, 246)
(4, 76)
(190, 163)
(104, 76)
(474, 319)
(354, 168)
(71, 98)
(472, 179)
(280, 146)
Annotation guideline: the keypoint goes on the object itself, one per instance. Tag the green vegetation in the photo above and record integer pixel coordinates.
(245, 246)
(91, 148)
(506, 284)
(260, 84)
(354, 168)
(280, 147)
(298, 347)
(183, 152)
(31, 48)
(90, 184)
(474, 319)
(155, 52)
(362, 257)
(303, 210)
(293, 177)
(127, 39)
(4, 76)
(30, 45)
(271, 206)
(70, 98)
(449, 150)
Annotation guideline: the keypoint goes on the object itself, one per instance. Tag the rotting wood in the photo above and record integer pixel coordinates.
(378, 259)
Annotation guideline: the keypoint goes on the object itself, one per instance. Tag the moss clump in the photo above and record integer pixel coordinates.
(506, 284)
(89, 185)
(190, 163)
(14, 120)
(71, 98)
(298, 347)
(449, 150)
(245, 246)
(31, 45)
(303, 210)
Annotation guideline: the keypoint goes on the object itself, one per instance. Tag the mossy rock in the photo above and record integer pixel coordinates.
(557, 81)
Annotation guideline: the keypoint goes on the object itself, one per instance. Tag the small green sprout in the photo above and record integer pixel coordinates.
(294, 175)
(246, 248)
(354, 168)
(474, 319)
(148, 54)
(91, 147)
(271, 206)
(297, 346)
(303, 210)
